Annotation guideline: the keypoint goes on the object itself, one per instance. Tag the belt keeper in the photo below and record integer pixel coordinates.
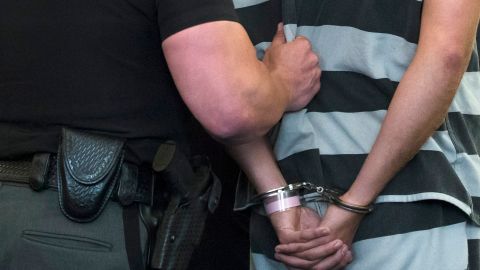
(38, 174)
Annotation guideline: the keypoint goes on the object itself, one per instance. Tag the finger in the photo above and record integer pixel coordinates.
(337, 260)
(305, 235)
(310, 234)
(293, 248)
(279, 37)
(304, 41)
(347, 259)
(294, 262)
(333, 261)
(314, 59)
(316, 78)
(321, 251)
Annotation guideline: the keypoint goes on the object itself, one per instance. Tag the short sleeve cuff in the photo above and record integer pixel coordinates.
(196, 16)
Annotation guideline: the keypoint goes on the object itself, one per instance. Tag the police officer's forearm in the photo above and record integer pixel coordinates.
(235, 96)
(423, 96)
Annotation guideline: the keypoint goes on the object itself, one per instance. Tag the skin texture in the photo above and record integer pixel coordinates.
(236, 97)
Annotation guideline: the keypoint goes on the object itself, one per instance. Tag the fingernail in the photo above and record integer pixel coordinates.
(280, 26)
(344, 250)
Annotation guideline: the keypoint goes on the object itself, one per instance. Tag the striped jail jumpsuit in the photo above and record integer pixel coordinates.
(428, 215)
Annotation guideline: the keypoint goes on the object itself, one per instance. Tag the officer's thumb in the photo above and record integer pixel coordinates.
(279, 37)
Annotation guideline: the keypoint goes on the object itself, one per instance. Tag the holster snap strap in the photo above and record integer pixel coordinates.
(88, 169)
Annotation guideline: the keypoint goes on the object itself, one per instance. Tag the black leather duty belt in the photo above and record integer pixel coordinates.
(39, 171)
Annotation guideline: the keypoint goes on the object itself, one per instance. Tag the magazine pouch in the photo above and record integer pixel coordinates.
(88, 167)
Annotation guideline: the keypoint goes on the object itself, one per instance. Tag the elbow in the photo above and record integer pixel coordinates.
(235, 126)
(454, 59)
(247, 112)
(242, 115)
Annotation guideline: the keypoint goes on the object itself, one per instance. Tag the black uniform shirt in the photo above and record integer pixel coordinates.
(93, 65)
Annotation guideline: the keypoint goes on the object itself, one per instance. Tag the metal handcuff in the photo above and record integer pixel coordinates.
(324, 194)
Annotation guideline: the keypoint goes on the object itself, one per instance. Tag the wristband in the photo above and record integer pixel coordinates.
(281, 204)
(280, 199)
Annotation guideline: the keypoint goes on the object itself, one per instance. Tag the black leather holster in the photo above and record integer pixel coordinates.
(193, 192)
(88, 169)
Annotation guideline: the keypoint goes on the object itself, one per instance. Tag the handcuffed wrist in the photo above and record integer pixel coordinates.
(280, 204)
(283, 198)
(356, 208)
(280, 199)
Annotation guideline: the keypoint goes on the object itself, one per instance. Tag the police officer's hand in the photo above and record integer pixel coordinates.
(295, 67)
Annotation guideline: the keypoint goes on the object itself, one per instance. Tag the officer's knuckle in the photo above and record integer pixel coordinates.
(303, 41)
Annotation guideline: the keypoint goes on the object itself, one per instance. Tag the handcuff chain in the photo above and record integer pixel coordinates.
(320, 190)
(330, 195)
(333, 196)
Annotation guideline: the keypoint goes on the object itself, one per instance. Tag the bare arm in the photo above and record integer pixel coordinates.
(235, 96)
(423, 96)
(257, 160)
(238, 98)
